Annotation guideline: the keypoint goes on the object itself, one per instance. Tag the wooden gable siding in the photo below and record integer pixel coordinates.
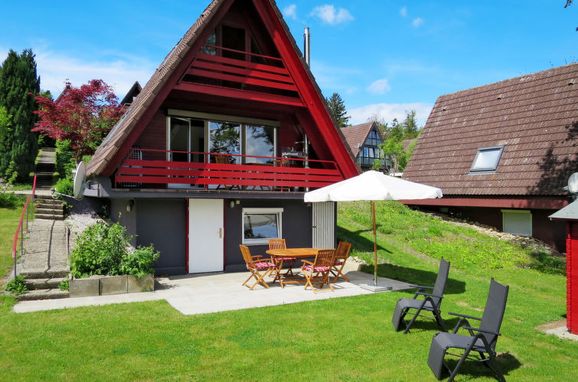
(154, 136)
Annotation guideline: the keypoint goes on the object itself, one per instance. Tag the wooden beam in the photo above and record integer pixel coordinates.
(241, 79)
(239, 94)
(492, 202)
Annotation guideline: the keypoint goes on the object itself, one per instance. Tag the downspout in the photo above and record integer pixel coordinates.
(307, 53)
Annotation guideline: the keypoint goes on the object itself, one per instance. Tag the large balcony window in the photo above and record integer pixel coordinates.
(217, 152)
(240, 140)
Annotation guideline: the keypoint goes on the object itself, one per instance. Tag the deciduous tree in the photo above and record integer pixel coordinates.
(83, 115)
(400, 140)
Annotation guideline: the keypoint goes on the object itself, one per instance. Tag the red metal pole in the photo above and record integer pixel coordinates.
(374, 244)
(572, 277)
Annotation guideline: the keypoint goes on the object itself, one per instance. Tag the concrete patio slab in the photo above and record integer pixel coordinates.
(200, 294)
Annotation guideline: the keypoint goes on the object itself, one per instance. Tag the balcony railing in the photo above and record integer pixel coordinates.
(145, 167)
(228, 72)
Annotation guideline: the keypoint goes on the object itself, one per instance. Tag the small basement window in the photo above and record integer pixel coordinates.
(517, 222)
(261, 224)
(487, 159)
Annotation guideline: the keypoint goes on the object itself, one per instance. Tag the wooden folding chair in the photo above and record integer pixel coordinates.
(258, 266)
(285, 260)
(341, 256)
(319, 269)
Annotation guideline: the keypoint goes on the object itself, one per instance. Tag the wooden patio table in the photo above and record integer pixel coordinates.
(299, 253)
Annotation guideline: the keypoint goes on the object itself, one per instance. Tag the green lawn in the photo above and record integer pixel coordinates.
(8, 223)
(348, 339)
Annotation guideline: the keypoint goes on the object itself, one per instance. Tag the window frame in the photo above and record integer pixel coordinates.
(487, 169)
(508, 214)
(207, 118)
(261, 211)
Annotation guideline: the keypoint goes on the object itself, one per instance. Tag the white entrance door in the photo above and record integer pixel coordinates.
(206, 235)
(323, 225)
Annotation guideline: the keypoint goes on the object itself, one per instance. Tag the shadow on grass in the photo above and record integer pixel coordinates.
(415, 276)
(548, 263)
(358, 242)
(426, 323)
(505, 363)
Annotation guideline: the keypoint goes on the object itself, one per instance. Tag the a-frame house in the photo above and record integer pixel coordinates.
(220, 145)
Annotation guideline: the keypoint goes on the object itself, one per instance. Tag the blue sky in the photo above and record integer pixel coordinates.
(383, 57)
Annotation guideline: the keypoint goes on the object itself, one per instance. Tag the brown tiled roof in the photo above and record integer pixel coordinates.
(356, 135)
(535, 117)
(114, 140)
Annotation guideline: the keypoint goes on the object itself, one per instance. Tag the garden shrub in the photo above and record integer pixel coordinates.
(103, 249)
(8, 199)
(64, 186)
(65, 162)
(140, 262)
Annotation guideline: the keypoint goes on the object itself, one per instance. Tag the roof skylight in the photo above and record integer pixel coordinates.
(487, 159)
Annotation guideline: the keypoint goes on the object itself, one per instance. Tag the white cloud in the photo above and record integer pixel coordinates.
(328, 14)
(389, 111)
(120, 71)
(380, 86)
(290, 11)
(417, 22)
(403, 11)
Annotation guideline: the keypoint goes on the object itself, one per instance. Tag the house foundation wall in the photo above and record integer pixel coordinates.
(543, 229)
(162, 223)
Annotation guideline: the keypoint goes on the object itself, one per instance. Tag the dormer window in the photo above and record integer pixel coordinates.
(487, 159)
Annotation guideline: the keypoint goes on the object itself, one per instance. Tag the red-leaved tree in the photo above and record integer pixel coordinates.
(82, 115)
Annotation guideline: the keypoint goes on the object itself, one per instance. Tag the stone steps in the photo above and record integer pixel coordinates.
(49, 283)
(43, 294)
(49, 208)
(43, 274)
(44, 209)
(49, 216)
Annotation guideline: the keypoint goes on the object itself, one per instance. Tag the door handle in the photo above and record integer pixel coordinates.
(220, 233)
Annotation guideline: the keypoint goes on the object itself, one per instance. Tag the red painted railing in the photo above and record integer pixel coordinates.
(20, 230)
(229, 71)
(279, 173)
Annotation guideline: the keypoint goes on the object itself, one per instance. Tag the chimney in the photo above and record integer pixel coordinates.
(307, 46)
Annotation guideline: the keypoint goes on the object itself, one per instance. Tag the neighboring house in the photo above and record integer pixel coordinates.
(502, 153)
(221, 144)
(365, 141)
(131, 95)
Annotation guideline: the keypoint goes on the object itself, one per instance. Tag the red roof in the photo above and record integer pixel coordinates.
(535, 118)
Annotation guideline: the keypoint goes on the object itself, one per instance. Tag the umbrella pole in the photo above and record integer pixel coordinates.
(374, 244)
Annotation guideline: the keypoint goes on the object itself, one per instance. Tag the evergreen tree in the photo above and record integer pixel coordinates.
(337, 110)
(5, 139)
(19, 84)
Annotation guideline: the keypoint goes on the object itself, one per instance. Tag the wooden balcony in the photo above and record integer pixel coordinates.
(145, 167)
(255, 77)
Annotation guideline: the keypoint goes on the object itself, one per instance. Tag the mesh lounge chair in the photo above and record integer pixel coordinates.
(258, 266)
(480, 340)
(431, 302)
(341, 256)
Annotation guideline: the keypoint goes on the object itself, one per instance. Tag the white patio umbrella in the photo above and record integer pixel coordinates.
(372, 186)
